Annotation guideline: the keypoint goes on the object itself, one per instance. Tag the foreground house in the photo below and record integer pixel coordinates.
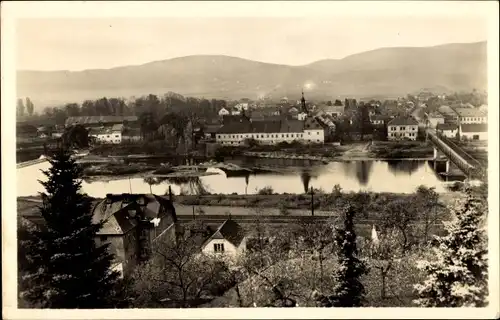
(228, 240)
(402, 128)
(132, 224)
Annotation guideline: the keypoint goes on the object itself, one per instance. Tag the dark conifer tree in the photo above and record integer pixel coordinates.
(65, 268)
(349, 291)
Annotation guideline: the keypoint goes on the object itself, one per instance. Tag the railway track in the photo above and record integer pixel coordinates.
(246, 219)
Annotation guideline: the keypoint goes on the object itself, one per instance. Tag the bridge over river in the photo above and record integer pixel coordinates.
(471, 167)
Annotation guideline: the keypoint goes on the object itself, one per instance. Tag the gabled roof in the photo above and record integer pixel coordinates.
(470, 112)
(474, 127)
(114, 211)
(229, 230)
(403, 121)
(446, 126)
(266, 126)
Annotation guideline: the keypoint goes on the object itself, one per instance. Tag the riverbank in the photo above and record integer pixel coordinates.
(323, 201)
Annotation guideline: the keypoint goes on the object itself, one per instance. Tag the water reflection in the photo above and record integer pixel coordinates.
(376, 176)
(363, 170)
(404, 166)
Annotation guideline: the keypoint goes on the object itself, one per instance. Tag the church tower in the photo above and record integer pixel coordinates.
(303, 103)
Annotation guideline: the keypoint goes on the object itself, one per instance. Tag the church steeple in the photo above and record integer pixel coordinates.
(303, 102)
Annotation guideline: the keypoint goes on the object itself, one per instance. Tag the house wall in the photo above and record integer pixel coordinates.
(314, 136)
(449, 133)
(433, 122)
(223, 112)
(111, 137)
(265, 138)
(397, 132)
(229, 248)
(302, 116)
(464, 120)
(470, 135)
(122, 247)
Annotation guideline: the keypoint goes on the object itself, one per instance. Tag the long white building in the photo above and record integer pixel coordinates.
(271, 131)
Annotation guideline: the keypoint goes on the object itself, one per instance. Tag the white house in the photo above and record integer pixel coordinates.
(435, 118)
(224, 112)
(241, 106)
(108, 135)
(448, 130)
(235, 111)
(474, 131)
(228, 240)
(402, 128)
(302, 116)
(470, 115)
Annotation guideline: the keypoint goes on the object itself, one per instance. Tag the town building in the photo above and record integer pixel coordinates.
(448, 113)
(269, 132)
(470, 115)
(402, 128)
(223, 112)
(241, 106)
(473, 131)
(301, 116)
(228, 240)
(107, 135)
(378, 119)
(235, 111)
(448, 130)
(131, 134)
(100, 121)
(434, 118)
(334, 111)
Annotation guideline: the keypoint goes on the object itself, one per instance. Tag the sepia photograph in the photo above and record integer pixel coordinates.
(206, 156)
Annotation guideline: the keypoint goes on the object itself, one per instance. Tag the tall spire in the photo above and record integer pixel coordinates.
(303, 102)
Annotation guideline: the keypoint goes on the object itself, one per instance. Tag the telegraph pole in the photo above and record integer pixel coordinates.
(312, 202)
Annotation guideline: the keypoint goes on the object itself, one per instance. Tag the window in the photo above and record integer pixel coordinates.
(309, 133)
(267, 136)
(291, 135)
(317, 133)
(287, 135)
(401, 128)
(218, 247)
(282, 135)
(103, 238)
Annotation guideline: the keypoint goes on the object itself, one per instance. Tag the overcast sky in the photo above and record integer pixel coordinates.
(83, 43)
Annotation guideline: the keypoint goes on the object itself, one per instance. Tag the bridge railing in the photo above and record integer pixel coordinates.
(464, 161)
(460, 151)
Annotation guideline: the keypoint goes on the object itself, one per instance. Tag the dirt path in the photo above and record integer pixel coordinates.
(357, 150)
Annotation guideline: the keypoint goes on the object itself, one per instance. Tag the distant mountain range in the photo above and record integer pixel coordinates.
(377, 73)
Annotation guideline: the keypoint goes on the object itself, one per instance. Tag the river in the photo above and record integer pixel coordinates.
(377, 176)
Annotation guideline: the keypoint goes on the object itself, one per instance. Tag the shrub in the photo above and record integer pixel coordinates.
(268, 190)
